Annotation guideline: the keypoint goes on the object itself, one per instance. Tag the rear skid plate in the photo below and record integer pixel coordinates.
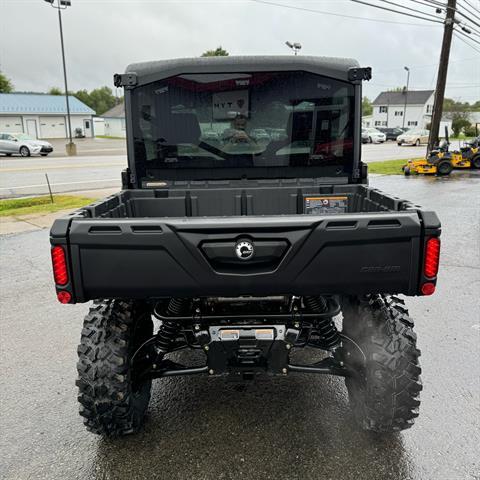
(247, 350)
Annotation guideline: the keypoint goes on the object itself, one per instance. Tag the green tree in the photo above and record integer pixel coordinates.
(6, 85)
(470, 131)
(459, 122)
(100, 99)
(367, 108)
(452, 106)
(218, 52)
(55, 91)
(83, 96)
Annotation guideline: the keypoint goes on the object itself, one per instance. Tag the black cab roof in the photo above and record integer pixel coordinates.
(333, 67)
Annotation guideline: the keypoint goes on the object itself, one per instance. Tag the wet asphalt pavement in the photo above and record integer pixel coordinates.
(278, 428)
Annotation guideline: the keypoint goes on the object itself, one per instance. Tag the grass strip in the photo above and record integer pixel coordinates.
(387, 167)
(24, 206)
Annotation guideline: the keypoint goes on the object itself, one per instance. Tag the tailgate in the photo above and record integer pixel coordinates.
(193, 257)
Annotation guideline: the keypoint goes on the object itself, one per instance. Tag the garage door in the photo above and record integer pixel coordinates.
(11, 124)
(52, 127)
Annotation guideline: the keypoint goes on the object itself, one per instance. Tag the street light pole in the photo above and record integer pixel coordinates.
(62, 5)
(406, 96)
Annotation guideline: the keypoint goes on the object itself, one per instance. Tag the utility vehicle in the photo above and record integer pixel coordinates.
(243, 248)
(442, 161)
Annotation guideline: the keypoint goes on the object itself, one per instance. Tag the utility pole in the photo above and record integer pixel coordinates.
(442, 74)
(406, 96)
(62, 5)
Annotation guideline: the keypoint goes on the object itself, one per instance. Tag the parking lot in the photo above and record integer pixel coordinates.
(100, 162)
(278, 428)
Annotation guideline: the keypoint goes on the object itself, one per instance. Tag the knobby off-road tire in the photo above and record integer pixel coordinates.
(112, 400)
(384, 393)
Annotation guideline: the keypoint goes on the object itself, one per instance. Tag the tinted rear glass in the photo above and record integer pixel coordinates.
(272, 119)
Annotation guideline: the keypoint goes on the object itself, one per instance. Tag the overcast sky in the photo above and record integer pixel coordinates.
(103, 36)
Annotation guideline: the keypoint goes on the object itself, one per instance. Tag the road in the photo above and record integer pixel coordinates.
(99, 167)
(26, 176)
(390, 151)
(279, 428)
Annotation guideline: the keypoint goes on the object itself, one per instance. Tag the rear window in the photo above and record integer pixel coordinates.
(243, 120)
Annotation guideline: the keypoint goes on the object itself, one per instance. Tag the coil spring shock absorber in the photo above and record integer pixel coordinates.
(324, 326)
(168, 331)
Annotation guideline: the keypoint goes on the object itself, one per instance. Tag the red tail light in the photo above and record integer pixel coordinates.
(432, 256)
(428, 288)
(64, 297)
(59, 262)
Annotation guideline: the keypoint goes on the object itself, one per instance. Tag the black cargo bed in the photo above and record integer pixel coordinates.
(157, 243)
(267, 197)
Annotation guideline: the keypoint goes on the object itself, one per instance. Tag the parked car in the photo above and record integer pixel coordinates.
(372, 135)
(260, 135)
(210, 136)
(413, 137)
(391, 133)
(24, 145)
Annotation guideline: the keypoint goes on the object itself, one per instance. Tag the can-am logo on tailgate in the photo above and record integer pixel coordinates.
(244, 249)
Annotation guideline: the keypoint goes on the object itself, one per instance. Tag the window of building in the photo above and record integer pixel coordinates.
(429, 108)
(398, 113)
(377, 123)
(383, 109)
(412, 123)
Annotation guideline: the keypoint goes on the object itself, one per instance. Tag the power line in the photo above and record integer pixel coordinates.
(382, 71)
(459, 12)
(468, 18)
(474, 13)
(396, 11)
(311, 10)
(474, 40)
(469, 4)
(407, 8)
(442, 5)
(438, 4)
(465, 42)
(425, 3)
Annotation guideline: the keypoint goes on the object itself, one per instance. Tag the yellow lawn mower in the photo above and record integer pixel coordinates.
(441, 161)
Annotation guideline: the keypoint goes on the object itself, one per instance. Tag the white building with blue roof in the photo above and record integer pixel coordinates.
(44, 116)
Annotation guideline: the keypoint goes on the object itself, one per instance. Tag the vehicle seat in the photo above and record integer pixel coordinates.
(299, 126)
